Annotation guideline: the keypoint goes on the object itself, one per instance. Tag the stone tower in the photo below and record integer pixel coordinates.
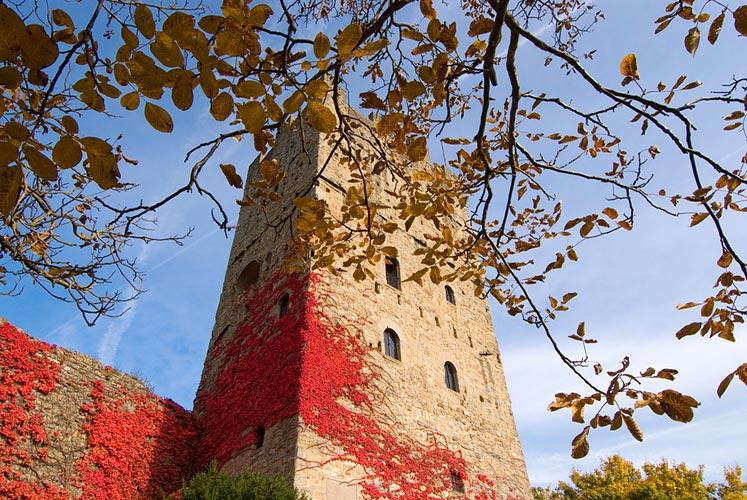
(352, 390)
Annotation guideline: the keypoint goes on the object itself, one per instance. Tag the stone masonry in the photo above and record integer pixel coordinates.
(477, 421)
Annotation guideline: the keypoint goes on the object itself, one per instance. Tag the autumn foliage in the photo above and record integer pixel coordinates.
(429, 78)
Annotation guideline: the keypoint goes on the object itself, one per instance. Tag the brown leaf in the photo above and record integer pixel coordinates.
(725, 260)
(10, 187)
(158, 118)
(144, 21)
(232, 177)
(633, 428)
(102, 164)
(740, 20)
(130, 101)
(67, 152)
(724, 384)
(688, 330)
(715, 30)
(692, 40)
(42, 166)
(580, 445)
(418, 149)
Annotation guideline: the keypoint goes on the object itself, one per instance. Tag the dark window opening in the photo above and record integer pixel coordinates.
(457, 483)
(450, 374)
(259, 437)
(391, 344)
(450, 298)
(283, 306)
(249, 275)
(392, 272)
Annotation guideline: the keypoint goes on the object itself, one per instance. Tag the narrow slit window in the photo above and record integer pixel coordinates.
(457, 483)
(259, 437)
(392, 272)
(391, 344)
(283, 305)
(450, 374)
(450, 297)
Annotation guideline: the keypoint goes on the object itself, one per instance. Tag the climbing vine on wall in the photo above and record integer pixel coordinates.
(304, 363)
(26, 370)
(137, 445)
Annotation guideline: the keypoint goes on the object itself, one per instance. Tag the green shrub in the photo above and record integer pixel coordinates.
(214, 484)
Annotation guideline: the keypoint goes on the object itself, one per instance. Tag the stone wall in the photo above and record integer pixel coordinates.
(74, 428)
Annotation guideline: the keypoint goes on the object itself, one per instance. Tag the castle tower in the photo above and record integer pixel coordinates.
(352, 389)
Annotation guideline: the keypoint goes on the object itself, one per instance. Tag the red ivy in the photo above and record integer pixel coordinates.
(139, 446)
(306, 364)
(26, 369)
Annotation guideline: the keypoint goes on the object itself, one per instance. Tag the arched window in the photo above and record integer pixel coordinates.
(249, 275)
(450, 298)
(392, 272)
(391, 344)
(457, 484)
(450, 374)
(283, 305)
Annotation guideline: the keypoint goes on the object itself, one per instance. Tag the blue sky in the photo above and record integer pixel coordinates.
(628, 283)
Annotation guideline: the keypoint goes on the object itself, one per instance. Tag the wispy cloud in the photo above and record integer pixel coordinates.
(113, 336)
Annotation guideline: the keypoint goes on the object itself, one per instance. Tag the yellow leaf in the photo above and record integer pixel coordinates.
(42, 166)
(102, 164)
(740, 20)
(692, 40)
(181, 94)
(698, 218)
(67, 153)
(348, 39)
(252, 115)
(158, 118)
(317, 89)
(411, 90)
(222, 106)
(249, 88)
(321, 117)
(321, 45)
(144, 21)
(10, 187)
(167, 51)
(232, 177)
(259, 14)
(629, 66)
(293, 103)
(418, 149)
(130, 101)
